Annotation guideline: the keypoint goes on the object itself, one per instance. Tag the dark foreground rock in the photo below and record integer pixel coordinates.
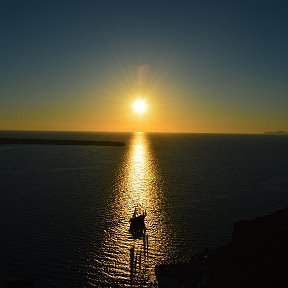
(19, 283)
(257, 256)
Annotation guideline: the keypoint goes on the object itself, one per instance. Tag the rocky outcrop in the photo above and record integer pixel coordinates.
(256, 256)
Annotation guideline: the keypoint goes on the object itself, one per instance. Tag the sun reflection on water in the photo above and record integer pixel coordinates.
(124, 260)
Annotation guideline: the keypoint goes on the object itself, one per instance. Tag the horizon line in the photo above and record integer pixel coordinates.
(162, 132)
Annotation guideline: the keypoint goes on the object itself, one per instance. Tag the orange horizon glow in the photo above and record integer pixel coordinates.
(165, 113)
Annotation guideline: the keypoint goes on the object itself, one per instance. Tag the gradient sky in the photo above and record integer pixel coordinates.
(202, 66)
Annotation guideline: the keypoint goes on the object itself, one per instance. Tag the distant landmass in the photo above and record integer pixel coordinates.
(276, 132)
(5, 141)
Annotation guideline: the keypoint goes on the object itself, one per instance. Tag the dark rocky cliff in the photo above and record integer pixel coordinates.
(256, 256)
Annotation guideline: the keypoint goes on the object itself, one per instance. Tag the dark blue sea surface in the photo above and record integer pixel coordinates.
(65, 209)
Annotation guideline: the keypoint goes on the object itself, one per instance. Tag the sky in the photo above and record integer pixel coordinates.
(201, 66)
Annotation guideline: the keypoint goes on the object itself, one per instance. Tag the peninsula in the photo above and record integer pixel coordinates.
(6, 141)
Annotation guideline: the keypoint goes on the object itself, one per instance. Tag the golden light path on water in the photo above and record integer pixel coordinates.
(126, 261)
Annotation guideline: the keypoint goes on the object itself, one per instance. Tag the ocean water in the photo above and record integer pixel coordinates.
(65, 209)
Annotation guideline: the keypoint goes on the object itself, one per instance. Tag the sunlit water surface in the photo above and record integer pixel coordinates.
(138, 185)
(65, 210)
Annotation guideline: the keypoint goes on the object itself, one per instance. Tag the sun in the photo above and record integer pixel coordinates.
(140, 106)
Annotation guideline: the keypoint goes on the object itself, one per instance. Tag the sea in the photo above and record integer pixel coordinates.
(65, 210)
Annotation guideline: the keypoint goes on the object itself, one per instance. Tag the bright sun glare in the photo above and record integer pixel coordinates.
(140, 106)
